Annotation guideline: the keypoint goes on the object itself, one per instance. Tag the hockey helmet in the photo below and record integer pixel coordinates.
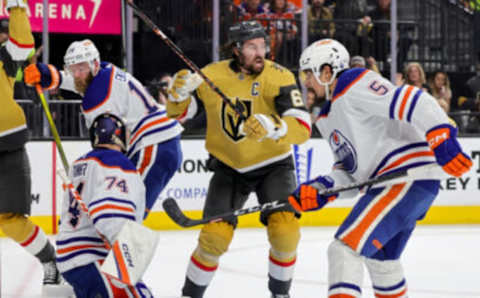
(108, 129)
(82, 51)
(325, 52)
(243, 31)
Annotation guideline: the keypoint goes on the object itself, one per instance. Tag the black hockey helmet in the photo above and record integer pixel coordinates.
(108, 129)
(243, 31)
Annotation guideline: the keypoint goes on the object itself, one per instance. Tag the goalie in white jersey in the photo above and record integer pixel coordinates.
(154, 145)
(374, 128)
(113, 191)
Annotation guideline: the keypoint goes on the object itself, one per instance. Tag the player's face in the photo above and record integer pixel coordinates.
(312, 84)
(82, 75)
(252, 55)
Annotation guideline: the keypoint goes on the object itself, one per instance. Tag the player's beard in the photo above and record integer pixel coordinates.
(255, 67)
(81, 85)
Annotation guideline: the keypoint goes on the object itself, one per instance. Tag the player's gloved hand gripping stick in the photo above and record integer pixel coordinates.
(428, 172)
(133, 248)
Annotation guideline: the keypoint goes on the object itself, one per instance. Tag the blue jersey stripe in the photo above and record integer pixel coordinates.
(412, 105)
(110, 199)
(139, 124)
(395, 152)
(86, 251)
(399, 285)
(132, 148)
(75, 239)
(394, 102)
(345, 285)
(113, 215)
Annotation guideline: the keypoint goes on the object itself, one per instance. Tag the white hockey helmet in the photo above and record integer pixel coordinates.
(82, 51)
(324, 52)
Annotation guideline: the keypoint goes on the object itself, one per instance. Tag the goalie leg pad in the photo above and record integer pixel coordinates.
(345, 271)
(387, 277)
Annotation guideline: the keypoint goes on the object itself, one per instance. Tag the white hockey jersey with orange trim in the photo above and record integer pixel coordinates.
(115, 91)
(113, 191)
(374, 128)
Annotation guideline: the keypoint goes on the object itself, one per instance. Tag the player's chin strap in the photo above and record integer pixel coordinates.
(428, 172)
(326, 85)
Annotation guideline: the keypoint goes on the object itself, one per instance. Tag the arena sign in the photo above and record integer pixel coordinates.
(80, 16)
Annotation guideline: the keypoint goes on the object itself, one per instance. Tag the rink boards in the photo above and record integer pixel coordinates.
(458, 201)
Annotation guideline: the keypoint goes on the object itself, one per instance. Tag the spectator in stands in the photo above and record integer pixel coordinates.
(317, 13)
(414, 75)
(359, 61)
(470, 101)
(347, 32)
(249, 9)
(381, 34)
(282, 30)
(440, 89)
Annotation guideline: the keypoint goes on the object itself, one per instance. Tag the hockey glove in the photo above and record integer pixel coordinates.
(260, 126)
(183, 84)
(442, 140)
(15, 3)
(46, 75)
(307, 198)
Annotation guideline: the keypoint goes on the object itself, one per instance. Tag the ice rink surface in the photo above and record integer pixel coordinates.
(440, 261)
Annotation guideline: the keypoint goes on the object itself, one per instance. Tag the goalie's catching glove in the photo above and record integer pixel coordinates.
(46, 75)
(442, 139)
(184, 82)
(307, 198)
(260, 126)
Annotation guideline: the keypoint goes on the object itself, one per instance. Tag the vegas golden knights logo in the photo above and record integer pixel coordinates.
(230, 120)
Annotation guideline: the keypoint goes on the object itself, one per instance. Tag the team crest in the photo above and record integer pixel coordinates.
(231, 122)
(344, 151)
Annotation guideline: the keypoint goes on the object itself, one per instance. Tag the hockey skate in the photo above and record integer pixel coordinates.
(53, 283)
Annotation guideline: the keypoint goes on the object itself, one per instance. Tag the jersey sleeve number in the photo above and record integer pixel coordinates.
(296, 96)
(378, 88)
(146, 99)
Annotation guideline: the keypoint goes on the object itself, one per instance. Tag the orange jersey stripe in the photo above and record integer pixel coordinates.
(77, 247)
(350, 85)
(404, 101)
(404, 159)
(146, 127)
(147, 157)
(107, 166)
(121, 263)
(353, 237)
(341, 296)
(110, 206)
(391, 295)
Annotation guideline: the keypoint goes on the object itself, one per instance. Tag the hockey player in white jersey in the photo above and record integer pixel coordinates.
(154, 145)
(374, 128)
(113, 191)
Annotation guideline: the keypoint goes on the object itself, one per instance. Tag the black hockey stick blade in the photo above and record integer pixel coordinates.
(175, 213)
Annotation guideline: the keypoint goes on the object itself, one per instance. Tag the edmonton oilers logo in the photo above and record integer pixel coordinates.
(344, 151)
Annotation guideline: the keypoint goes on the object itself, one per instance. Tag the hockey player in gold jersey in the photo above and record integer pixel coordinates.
(246, 156)
(15, 184)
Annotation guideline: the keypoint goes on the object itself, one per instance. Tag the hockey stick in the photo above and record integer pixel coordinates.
(237, 107)
(431, 171)
(131, 252)
(53, 128)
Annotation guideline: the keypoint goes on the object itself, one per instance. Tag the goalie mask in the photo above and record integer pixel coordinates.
(82, 51)
(324, 52)
(108, 129)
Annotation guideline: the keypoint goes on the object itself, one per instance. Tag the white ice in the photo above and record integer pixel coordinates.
(440, 262)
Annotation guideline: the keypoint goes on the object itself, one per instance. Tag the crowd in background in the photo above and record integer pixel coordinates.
(361, 25)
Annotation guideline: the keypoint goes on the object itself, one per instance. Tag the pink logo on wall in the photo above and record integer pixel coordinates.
(75, 16)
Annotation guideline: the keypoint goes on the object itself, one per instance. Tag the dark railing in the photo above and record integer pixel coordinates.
(71, 123)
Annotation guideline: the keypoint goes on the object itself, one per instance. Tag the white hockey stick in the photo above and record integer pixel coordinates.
(132, 250)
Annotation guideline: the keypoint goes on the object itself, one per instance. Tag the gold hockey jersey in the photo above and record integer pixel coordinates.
(273, 91)
(13, 127)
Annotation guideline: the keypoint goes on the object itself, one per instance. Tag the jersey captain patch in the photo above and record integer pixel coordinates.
(344, 151)
(231, 122)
